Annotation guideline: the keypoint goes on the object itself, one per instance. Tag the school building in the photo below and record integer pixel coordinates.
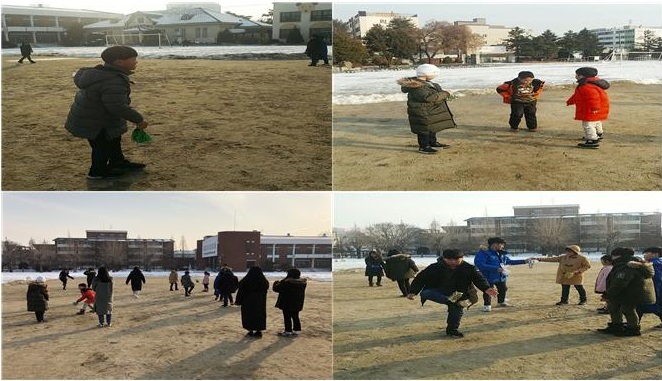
(243, 249)
(307, 18)
(360, 24)
(45, 25)
(114, 249)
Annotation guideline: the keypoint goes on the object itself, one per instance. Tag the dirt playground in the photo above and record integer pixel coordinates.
(162, 335)
(217, 125)
(373, 148)
(379, 335)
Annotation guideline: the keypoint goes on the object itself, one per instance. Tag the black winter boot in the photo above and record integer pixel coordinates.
(613, 328)
(630, 331)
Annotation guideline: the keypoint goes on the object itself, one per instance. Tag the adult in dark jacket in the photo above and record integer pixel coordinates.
(90, 274)
(37, 298)
(103, 287)
(226, 283)
(137, 278)
(450, 282)
(629, 283)
(252, 297)
(26, 52)
(491, 262)
(400, 268)
(291, 295)
(374, 267)
(317, 50)
(427, 109)
(101, 109)
(64, 277)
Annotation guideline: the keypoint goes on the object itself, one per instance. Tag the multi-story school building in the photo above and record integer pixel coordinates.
(625, 38)
(113, 248)
(243, 249)
(308, 18)
(361, 23)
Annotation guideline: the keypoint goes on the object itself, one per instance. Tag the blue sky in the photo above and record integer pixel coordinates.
(559, 16)
(48, 215)
(420, 208)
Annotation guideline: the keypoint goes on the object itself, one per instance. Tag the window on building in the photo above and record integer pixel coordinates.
(186, 16)
(290, 16)
(322, 15)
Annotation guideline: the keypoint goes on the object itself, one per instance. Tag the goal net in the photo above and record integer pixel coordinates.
(140, 39)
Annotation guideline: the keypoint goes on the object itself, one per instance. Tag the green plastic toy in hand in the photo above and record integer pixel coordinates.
(139, 136)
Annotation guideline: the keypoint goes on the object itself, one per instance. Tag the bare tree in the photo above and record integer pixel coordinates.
(550, 235)
(387, 235)
(443, 37)
(436, 236)
(356, 239)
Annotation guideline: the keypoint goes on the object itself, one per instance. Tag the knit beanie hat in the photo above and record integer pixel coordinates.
(574, 248)
(452, 254)
(493, 240)
(427, 70)
(587, 72)
(525, 74)
(39, 279)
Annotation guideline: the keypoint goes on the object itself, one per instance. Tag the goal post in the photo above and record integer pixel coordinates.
(142, 39)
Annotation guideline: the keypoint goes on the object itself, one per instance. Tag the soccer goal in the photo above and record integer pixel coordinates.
(634, 56)
(141, 39)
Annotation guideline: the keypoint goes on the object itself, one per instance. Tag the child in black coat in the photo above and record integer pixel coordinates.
(291, 294)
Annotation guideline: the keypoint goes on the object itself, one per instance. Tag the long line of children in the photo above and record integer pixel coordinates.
(428, 110)
(251, 296)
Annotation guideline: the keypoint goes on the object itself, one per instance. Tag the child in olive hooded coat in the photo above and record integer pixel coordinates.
(427, 108)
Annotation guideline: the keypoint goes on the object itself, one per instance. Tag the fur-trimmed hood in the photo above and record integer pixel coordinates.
(645, 268)
(411, 82)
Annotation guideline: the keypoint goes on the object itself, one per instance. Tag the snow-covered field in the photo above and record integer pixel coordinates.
(178, 52)
(380, 86)
(7, 277)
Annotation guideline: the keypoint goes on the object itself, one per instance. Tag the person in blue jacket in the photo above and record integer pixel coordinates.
(491, 262)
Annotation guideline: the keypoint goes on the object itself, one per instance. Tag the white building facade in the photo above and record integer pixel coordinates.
(624, 39)
(360, 24)
(309, 18)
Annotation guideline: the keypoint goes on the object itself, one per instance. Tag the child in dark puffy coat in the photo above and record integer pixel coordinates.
(291, 295)
(427, 109)
(591, 105)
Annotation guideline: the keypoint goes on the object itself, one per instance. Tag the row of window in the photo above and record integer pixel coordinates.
(322, 15)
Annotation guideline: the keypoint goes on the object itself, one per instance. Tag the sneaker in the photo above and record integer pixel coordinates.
(439, 145)
(109, 325)
(250, 333)
(128, 165)
(582, 303)
(423, 300)
(80, 312)
(454, 333)
(109, 173)
(589, 144)
(504, 304)
(514, 129)
(285, 334)
(100, 325)
(427, 150)
(257, 334)
(487, 308)
(561, 303)
(532, 129)
(296, 333)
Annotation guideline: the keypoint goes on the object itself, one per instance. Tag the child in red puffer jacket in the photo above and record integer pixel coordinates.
(591, 104)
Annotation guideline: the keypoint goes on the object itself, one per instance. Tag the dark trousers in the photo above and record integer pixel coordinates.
(641, 313)
(501, 298)
(39, 315)
(403, 285)
(226, 297)
(528, 110)
(173, 284)
(565, 292)
(188, 289)
(291, 319)
(206, 285)
(618, 310)
(426, 139)
(24, 57)
(105, 151)
(455, 311)
(316, 57)
(108, 318)
(379, 279)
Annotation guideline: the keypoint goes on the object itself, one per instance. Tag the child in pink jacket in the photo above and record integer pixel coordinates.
(601, 280)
